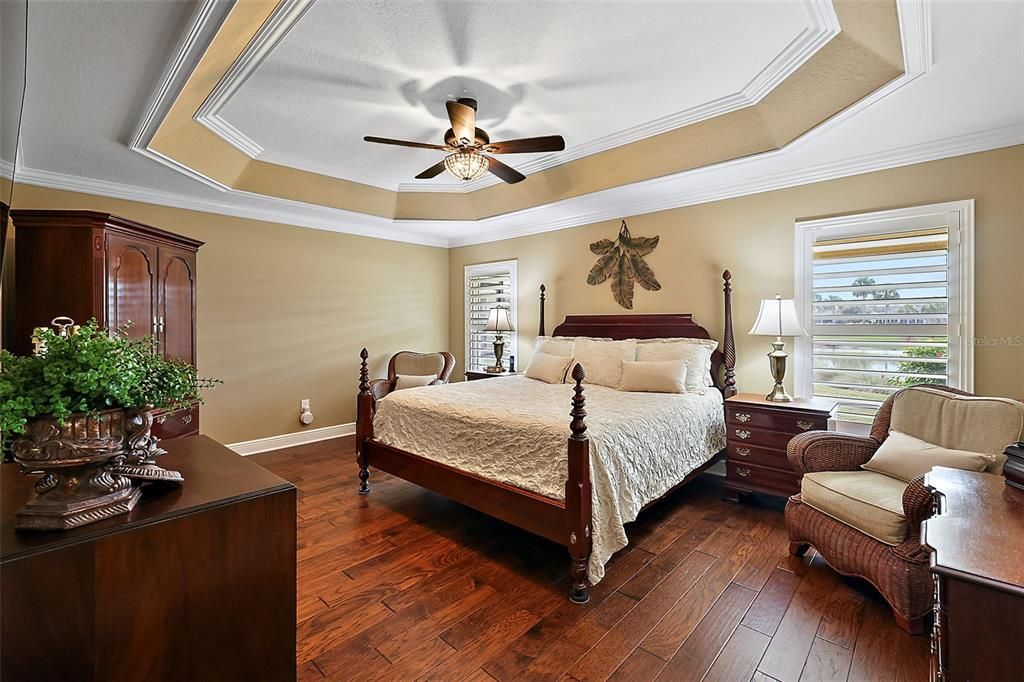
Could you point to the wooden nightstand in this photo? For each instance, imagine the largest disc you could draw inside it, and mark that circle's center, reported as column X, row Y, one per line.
column 474, row 374
column 757, row 432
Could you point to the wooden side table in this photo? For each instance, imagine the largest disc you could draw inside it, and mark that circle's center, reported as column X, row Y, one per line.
column 473, row 374
column 196, row 583
column 757, row 432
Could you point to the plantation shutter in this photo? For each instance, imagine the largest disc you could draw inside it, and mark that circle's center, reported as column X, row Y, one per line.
column 880, row 309
column 488, row 286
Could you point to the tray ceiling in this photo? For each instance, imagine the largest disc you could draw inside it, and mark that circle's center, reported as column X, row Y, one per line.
column 599, row 73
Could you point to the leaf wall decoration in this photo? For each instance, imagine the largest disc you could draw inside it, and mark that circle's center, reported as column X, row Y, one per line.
column 623, row 262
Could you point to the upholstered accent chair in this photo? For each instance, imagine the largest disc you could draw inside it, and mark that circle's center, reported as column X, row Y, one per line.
column 406, row 363
column 868, row 524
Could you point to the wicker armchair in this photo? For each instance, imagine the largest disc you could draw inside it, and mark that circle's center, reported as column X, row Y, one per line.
column 882, row 543
column 408, row 363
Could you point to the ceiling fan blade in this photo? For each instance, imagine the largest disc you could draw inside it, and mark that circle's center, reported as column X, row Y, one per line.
column 506, row 173
column 432, row 172
column 404, row 143
column 463, row 118
column 526, row 145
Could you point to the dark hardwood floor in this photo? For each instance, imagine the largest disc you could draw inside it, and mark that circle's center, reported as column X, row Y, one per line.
column 404, row 584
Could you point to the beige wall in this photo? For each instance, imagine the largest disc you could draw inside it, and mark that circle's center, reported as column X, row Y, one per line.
column 753, row 237
column 283, row 311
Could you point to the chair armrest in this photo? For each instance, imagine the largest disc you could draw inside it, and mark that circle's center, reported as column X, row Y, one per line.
column 829, row 451
column 380, row 388
column 437, row 382
column 918, row 505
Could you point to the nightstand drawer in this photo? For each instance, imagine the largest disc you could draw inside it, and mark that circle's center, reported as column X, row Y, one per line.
column 746, row 435
column 782, row 481
column 752, row 454
column 740, row 415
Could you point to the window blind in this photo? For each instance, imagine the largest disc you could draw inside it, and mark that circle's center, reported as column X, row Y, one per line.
column 880, row 316
column 488, row 286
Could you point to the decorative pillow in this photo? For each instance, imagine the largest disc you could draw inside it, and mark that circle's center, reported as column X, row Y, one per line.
column 548, row 368
column 413, row 380
column 557, row 345
column 905, row 457
column 695, row 352
column 602, row 360
column 667, row 376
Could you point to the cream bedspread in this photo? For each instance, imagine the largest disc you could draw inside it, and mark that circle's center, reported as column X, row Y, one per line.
column 514, row 430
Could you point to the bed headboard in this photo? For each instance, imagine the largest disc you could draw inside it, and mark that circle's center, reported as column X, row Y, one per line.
column 671, row 325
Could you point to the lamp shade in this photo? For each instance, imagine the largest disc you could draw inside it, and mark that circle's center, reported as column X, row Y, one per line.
column 777, row 317
column 499, row 321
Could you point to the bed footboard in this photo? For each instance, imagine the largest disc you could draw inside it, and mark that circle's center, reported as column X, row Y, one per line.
column 577, row 494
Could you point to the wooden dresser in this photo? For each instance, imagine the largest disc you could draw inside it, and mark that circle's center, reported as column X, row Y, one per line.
column 196, row 583
column 84, row 264
column 757, row 432
column 977, row 543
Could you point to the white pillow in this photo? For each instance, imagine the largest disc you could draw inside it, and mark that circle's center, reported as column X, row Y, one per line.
column 413, row 380
column 904, row 457
column 558, row 345
column 666, row 376
column 695, row 352
column 548, row 368
column 602, row 360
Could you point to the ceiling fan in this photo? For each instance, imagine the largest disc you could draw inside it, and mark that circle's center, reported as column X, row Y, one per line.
column 466, row 144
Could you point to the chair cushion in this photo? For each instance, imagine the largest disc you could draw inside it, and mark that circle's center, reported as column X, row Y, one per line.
column 905, row 457
column 419, row 364
column 867, row 501
column 973, row 423
column 668, row 376
column 413, row 380
column 548, row 368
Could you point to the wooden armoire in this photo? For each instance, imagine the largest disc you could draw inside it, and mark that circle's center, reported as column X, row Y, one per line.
column 85, row 264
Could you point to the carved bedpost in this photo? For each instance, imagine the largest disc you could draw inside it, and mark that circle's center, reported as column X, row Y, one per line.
column 542, row 289
column 729, row 343
column 577, row 494
column 364, row 422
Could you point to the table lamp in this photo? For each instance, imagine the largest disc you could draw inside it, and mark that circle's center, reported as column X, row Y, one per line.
column 498, row 321
column 778, row 318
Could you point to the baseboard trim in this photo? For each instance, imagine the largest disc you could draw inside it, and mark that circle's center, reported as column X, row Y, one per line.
column 289, row 440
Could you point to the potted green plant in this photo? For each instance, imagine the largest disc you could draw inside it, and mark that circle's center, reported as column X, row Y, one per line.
column 78, row 412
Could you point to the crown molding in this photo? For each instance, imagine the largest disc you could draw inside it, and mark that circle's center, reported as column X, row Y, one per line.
column 270, row 35
column 674, row 191
column 822, row 26
column 203, row 25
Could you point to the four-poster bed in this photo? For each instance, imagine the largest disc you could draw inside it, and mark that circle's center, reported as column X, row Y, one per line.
column 567, row 521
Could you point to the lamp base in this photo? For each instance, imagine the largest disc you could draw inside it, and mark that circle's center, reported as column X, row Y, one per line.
column 779, row 395
column 777, row 360
column 499, row 350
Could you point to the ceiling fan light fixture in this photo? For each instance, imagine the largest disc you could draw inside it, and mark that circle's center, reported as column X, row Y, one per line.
column 466, row 165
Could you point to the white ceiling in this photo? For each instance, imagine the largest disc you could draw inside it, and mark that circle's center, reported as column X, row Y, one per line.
column 94, row 64
column 584, row 69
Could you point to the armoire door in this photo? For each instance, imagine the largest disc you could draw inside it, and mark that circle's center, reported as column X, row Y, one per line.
column 131, row 284
column 176, row 307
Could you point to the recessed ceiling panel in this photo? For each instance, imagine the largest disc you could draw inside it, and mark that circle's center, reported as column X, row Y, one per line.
column 598, row 73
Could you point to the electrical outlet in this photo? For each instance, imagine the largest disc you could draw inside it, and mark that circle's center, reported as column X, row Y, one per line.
column 304, row 405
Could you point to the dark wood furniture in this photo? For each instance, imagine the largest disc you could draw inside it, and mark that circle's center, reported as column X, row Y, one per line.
column 473, row 374
column 565, row 521
column 757, row 432
column 85, row 264
column 1014, row 468
column 196, row 583
column 977, row 543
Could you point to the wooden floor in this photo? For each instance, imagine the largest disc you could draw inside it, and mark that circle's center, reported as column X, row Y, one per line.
column 403, row 584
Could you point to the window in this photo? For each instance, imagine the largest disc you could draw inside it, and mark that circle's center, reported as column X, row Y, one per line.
column 489, row 285
column 887, row 301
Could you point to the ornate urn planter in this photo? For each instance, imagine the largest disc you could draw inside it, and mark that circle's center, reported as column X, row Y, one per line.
column 92, row 467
